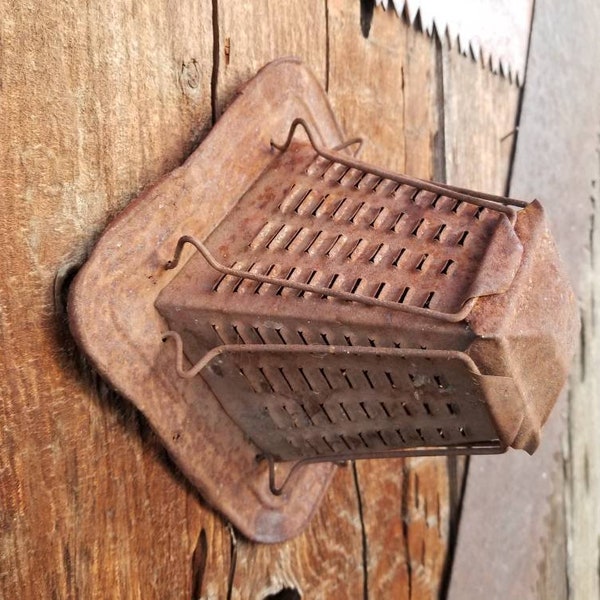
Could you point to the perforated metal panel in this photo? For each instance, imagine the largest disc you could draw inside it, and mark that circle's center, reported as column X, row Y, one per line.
column 331, row 225
column 316, row 404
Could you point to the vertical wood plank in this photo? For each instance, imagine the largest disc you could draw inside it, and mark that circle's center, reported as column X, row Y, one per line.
column 250, row 34
column 366, row 81
column 97, row 101
column 580, row 502
column 480, row 111
column 324, row 562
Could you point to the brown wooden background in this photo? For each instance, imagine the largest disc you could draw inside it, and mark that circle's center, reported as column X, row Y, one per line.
column 99, row 100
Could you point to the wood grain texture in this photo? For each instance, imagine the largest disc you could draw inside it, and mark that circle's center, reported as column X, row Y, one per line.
column 479, row 125
column 250, row 34
column 324, row 562
column 578, row 505
column 96, row 104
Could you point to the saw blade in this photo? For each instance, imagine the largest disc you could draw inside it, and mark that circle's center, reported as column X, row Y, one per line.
column 493, row 31
column 511, row 541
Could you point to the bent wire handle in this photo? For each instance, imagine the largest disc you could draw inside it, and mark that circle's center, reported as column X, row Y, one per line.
column 275, row 489
column 491, row 201
column 309, row 349
column 315, row 289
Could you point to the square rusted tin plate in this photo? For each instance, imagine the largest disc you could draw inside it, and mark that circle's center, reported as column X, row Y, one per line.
column 113, row 317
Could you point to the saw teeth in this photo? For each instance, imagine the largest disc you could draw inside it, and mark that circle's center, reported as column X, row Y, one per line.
column 495, row 33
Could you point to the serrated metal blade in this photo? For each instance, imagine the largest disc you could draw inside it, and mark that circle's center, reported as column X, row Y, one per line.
column 493, row 31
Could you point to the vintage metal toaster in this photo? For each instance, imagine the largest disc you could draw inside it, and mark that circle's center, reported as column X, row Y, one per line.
column 339, row 311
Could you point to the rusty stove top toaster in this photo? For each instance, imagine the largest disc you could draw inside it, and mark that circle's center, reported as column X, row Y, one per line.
column 276, row 306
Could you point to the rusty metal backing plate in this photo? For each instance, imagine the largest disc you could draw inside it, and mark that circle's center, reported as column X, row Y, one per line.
column 114, row 320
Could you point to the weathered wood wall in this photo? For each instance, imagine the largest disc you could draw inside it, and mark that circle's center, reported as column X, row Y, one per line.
column 98, row 101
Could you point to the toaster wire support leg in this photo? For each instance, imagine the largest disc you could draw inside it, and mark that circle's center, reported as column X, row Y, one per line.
column 277, row 490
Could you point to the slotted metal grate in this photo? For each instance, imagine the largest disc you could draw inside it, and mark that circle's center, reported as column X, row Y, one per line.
column 332, row 312
column 345, row 229
column 343, row 404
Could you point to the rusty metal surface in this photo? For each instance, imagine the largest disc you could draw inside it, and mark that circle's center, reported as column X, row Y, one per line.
column 112, row 314
column 351, row 231
column 495, row 32
column 366, row 304
column 335, row 403
column 358, row 313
